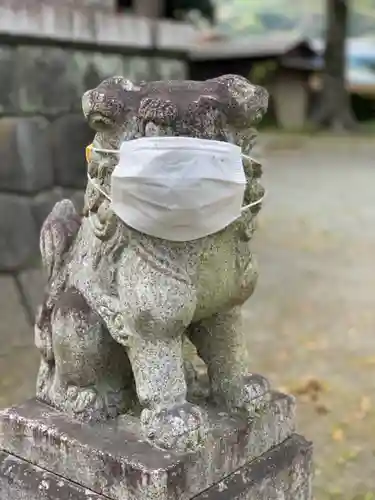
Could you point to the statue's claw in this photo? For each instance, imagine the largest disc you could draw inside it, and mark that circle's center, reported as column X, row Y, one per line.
column 179, row 428
column 249, row 395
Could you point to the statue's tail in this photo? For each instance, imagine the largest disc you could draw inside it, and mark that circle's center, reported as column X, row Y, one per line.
column 56, row 237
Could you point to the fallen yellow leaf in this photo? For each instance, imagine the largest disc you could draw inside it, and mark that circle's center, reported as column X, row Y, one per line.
column 310, row 387
column 338, row 434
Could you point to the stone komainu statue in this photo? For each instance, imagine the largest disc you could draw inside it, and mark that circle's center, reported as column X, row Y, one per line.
column 120, row 303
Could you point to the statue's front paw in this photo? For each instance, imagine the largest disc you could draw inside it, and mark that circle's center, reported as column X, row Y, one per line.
column 249, row 396
column 93, row 405
column 181, row 427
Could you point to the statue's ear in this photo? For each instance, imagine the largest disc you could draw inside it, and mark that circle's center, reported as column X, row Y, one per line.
column 249, row 102
column 122, row 82
column 128, row 84
column 159, row 111
column 256, row 102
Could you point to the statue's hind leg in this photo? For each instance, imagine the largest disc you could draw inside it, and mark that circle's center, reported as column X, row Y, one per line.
column 220, row 342
column 91, row 377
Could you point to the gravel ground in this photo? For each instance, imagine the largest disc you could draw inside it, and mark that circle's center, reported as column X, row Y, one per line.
column 311, row 322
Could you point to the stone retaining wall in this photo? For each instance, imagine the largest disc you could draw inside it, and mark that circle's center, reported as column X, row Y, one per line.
column 44, row 70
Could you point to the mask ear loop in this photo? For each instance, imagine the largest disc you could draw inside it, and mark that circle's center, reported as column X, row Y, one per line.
column 89, row 149
column 96, row 186
column 259, row 200
column 101, row 191
column 253, row 204
column 107, row 151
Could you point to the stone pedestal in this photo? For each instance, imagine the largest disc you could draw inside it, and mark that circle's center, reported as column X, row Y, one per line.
column 46, row 455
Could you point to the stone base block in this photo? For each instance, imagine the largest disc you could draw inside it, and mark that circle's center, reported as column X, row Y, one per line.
column 284, row 473
column 47, row 454
column 20, row 480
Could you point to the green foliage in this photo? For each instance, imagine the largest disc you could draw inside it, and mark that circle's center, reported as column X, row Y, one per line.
column 262, row 72
column 178, row 9
column 238, row 17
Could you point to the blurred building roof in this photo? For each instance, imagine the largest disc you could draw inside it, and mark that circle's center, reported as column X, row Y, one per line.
column 250, row 47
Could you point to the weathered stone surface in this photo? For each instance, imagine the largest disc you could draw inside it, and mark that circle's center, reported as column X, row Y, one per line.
column 97, row 4
column 48, row 81
column 96, row 66
column 19, row 242
column 171, row 69
column 70, row 135
column 95, row 22
column 78, row 4
column 137, row 68
column 176, row 35
column 43, row 203
column 77, row 197
column 90, row 68
column 71, row 71
column 283, row 473
column 8, row 68
column 25, row 155
column 20, row 480
column 26, row 73
column 115, row 459
column 32, row 283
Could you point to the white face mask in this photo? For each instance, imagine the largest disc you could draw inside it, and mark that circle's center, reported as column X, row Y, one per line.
column 177, row 188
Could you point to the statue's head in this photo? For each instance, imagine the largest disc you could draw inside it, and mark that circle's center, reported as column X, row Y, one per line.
column 104, row 106
column 215, row 108
column 222, row 109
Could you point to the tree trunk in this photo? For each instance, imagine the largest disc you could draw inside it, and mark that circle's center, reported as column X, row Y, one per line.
column 334, row 108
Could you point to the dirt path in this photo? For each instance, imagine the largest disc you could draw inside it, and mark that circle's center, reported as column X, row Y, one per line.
column 311, row 323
